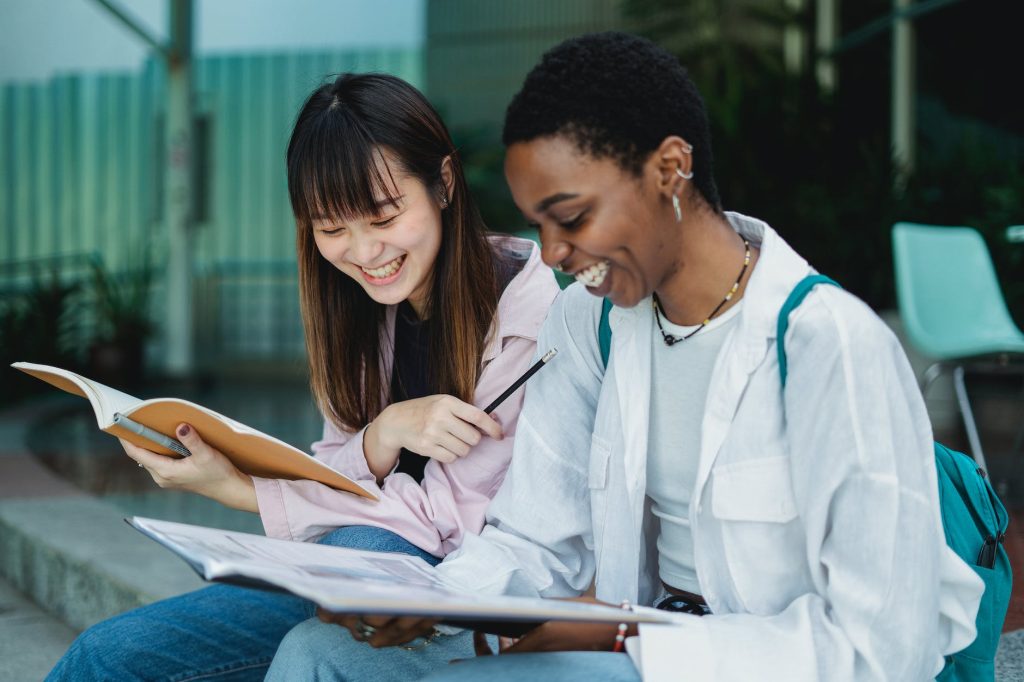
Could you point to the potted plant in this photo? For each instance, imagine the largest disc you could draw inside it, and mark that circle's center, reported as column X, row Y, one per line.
column 123, row 321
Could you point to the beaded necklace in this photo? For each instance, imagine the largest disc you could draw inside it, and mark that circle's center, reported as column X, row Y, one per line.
column 671, row 340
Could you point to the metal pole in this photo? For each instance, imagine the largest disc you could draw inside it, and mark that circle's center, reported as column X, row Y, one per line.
column 826, row 31
column 178, row 191
column 794, row 39
column 903, row 92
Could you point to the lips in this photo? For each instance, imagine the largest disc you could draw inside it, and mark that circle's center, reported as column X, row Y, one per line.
column 385, row 270
column 386, row 274
column 593, row 276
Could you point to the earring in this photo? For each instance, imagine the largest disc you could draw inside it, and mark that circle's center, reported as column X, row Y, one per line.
column 444, row 200
column 684, row 176
column 675, row 207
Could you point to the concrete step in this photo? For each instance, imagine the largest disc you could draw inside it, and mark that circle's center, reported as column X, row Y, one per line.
column 31, row 640
column 72, row 554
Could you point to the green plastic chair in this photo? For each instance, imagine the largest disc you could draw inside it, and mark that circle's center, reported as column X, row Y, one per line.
column 953, row 309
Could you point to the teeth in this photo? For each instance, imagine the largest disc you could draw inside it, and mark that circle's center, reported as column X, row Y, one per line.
column 593, row 276
column 385, row 270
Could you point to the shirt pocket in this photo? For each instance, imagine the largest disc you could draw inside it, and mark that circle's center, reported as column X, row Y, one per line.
column 762, row 538
column 754, row 490
column 600, row 453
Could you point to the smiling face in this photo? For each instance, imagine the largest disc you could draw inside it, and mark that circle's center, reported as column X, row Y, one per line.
column 391, row 254
column 598, row 222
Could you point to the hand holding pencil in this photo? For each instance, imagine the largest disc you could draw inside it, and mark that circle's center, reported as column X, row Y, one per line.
column 441, row 427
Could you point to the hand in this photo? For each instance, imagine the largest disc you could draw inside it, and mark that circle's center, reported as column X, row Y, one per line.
column 388, row 630
column 441, row 427
column 207, row 472
column 560, row 636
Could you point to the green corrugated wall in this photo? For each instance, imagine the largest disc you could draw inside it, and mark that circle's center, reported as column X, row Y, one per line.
column 81, row 169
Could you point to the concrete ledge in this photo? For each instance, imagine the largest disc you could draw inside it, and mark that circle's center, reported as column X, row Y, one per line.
column 32, row 641
column 77, row 559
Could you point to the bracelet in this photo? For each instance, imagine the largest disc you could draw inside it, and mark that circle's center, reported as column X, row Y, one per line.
column 620, row 636
column 426, row 641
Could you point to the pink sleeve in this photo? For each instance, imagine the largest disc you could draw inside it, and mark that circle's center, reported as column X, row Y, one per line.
column 343, row 451
column 434, row 515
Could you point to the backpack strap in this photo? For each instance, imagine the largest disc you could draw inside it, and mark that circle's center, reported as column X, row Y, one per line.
column 604, row 331
column 795, row 298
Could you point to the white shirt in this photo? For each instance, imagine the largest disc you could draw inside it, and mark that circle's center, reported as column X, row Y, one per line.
column 815, row 510
column 681, row 374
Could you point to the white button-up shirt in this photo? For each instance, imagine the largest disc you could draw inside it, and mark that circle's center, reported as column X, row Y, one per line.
column 815, row 516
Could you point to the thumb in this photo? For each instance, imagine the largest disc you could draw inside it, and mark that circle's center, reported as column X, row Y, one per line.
column 189, row 438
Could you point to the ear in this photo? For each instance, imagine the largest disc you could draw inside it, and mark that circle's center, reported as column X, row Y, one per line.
column 673, row 154
column 447, row 176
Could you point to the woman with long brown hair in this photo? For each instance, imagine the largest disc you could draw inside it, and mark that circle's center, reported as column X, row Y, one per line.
column 415, row 318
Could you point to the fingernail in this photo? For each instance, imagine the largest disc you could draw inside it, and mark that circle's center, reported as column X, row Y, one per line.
column 184, row 430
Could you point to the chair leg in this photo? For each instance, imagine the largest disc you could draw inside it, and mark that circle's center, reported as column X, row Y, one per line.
column 930, row 375
column 968, row 415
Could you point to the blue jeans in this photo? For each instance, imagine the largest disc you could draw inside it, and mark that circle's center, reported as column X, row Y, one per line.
column 318, row 651
column 222, row 633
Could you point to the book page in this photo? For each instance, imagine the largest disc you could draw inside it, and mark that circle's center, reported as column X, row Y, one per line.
column 354, row 581
column 105, row 400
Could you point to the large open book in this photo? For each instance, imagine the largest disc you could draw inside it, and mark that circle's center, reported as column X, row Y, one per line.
column 353, row 581
column 252, row 451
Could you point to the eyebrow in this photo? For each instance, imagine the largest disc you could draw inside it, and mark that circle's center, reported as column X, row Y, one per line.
column 550, row 201
column 393, row 201
column 377, row 206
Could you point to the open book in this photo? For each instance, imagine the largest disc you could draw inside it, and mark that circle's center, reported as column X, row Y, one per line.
column 343, row 580
column 253, row 452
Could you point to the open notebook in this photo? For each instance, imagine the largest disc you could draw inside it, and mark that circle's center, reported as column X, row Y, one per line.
column 252, row 451
column 343, row 580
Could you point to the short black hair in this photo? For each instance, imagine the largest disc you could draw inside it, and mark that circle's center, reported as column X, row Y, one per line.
column 616, row 96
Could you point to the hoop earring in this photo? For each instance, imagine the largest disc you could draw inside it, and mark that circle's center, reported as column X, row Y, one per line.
column 684, row 176
column 676, row 208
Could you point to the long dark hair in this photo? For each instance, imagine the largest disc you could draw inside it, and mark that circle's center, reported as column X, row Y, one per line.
column 333, row 173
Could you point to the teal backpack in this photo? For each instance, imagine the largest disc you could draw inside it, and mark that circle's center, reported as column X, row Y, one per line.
column 973, row 518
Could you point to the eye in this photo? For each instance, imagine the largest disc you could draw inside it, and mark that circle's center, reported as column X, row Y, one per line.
column 572, row 223
column 331, row 231
column 386, row 221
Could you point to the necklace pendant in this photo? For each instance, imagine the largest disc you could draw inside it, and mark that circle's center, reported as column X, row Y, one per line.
column 670, row 340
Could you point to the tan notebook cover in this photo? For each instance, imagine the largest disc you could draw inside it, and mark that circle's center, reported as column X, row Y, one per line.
column 253, row 452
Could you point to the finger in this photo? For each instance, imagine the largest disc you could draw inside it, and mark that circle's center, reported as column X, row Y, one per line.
column 439, row 453
column 453, row 445
column 344, row 620
column 146, row 458
column 380, row 622
column 464, row 431
column 189, row 437
column 533, row 641
column 401, row 631
column 480, row 645
column 478, row 418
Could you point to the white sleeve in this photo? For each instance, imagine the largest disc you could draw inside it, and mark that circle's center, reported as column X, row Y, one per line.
column 538, row 539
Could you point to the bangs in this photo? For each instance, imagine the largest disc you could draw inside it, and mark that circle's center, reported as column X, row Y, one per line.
column 337, row 171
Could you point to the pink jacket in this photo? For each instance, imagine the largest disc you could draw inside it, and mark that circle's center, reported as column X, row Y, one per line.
column 436, row 514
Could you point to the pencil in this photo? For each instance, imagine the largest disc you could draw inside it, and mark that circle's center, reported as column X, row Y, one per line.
column 150, row 434
column 521, row 380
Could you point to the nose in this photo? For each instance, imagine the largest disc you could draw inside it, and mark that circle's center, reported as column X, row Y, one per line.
column 364, row 248
column 553, row 249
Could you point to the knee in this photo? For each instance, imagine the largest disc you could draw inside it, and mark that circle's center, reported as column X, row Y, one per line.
column 304, row 653
column 98, row 653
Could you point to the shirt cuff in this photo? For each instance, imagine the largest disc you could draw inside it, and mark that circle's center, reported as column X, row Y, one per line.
column 273, row 513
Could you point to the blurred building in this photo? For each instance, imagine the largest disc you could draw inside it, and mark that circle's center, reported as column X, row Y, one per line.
column 82, row 163
column 479, row 51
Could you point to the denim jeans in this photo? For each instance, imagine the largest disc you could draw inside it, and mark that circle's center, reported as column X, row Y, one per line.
column 223, row 633
column 319, row 652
